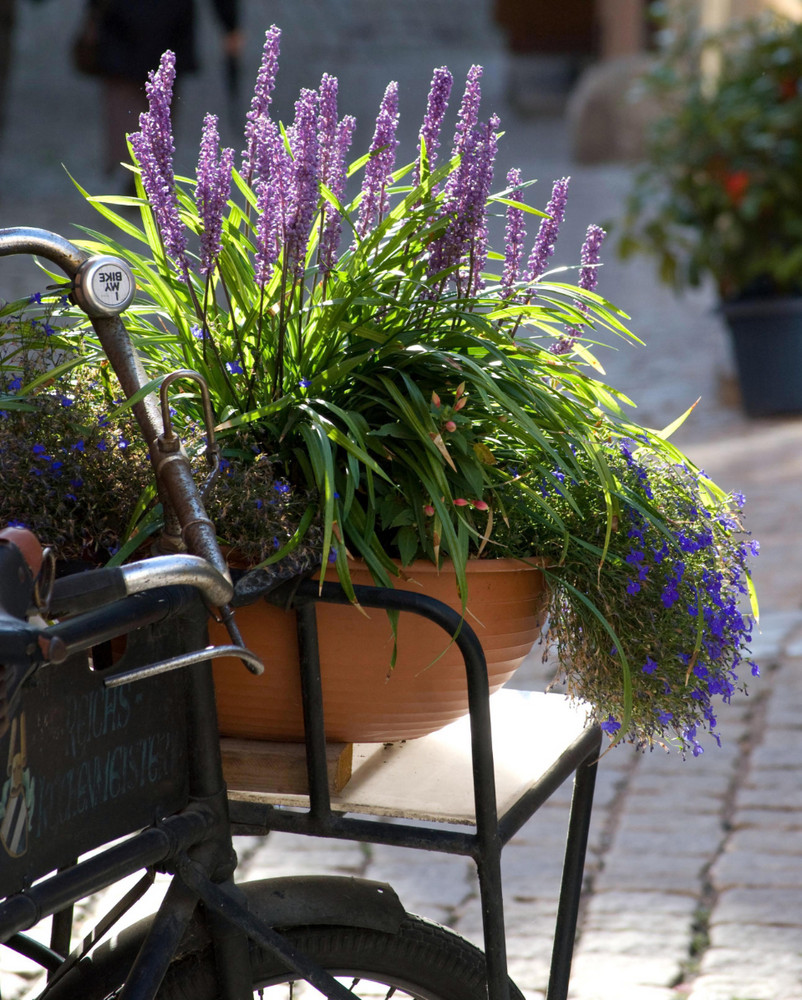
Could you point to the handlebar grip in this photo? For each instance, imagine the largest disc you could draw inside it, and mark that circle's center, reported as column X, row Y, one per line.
column 86, row 591
column 20, row 562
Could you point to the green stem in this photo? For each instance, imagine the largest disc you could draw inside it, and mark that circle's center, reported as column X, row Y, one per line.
column 278, row 373
column 258, row 349
column 234, row 328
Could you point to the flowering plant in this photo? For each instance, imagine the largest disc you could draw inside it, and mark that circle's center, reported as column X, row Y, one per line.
column 720, row 193
column 74, row 464
column 69, row 467
column 671, row 603
column 413, row 402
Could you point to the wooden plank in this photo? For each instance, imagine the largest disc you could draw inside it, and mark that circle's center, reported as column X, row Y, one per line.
column 280, row 768
column 432, row 779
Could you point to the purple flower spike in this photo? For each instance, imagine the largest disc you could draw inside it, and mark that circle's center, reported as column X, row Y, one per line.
column 468, row 116
column 464, row 241
column 260, row 102
column 515, row 234
column 332, row 169
column 153, row 148
column 159, row 91
column 549, row 230
column 589, row 272
column 588, row 279
column 476, row 204
column 379, row 168
column 327, row 123
column 439, row 93
column 335, row 179
column 272, row 193
column 212, row 192
column 304, row 195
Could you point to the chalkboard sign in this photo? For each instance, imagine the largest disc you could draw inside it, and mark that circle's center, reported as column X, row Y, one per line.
column 85, row 764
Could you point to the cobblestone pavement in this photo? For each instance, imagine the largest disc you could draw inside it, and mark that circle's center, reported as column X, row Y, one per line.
column 694, row 877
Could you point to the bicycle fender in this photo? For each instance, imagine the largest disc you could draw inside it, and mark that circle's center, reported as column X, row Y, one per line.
column 292, row 901
column 325, row 899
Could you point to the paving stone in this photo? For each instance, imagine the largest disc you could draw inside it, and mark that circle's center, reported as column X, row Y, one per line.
column 636, row 905
column 649, row 925
column 430, row 884
column 667, row 939
column 529, row 927
column 690, row 799
column 742, row 869
column 652, row 872
column 773, row 821
column 736, row 986
column 754, row 962
column 600, row 977
column 769, row 779
column 762, row 838
column 775, row 627
column 282, row 854
column 776, row 795
column 659, row 824
column 537, row 879
column 759, row 906
column 784, row 713
column 748, row 937
column 530, row 974
column 635, row 840
column 776, row 753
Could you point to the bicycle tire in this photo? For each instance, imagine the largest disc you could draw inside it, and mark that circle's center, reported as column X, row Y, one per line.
column 422, row 959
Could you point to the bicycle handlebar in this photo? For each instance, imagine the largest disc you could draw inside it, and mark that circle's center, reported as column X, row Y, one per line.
column 24, row 645
column 94, row 588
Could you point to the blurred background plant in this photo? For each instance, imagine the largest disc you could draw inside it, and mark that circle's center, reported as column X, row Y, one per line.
column 720, row 193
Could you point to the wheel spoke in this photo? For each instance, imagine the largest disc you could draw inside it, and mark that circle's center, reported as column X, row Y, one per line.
column 364, row 989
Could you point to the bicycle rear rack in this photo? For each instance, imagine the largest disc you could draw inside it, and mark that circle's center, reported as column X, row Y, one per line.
column 492, row 832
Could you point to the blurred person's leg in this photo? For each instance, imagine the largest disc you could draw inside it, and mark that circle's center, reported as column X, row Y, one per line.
column 123, row 102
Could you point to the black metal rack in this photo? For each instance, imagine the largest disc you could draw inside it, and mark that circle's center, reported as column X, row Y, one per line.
column 491, row 829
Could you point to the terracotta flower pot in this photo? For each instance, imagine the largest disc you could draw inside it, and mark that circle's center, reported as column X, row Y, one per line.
column 365, row 702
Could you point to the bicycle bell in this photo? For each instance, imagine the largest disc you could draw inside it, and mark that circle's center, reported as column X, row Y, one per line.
column 103, row 286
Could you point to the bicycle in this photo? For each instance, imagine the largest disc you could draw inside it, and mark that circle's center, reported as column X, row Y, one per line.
column 129, row 782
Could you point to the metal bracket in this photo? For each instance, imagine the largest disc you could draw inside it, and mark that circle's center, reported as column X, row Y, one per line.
column 169, row 443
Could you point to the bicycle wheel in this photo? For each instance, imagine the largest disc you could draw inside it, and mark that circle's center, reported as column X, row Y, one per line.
column 422, row 961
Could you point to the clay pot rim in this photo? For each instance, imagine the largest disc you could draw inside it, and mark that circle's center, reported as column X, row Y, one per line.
column 496, row 564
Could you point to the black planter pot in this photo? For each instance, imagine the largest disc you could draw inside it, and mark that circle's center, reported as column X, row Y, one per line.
column 767, row 347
